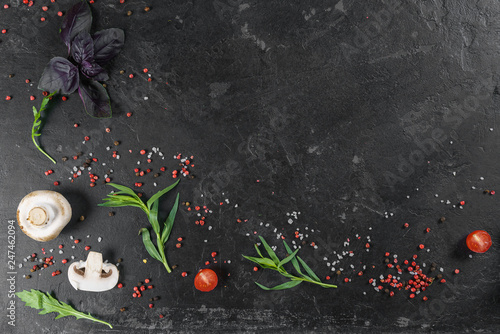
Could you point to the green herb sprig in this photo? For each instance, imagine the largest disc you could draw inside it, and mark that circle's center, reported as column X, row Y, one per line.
column 274, row 263
column 46, row 303
column 127, row 197
column 36, row 130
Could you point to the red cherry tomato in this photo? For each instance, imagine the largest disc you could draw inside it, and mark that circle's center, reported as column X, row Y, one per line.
column 479, row 241
column 206, row 280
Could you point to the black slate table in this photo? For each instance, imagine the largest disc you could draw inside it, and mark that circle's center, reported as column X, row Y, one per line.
column 342, row 120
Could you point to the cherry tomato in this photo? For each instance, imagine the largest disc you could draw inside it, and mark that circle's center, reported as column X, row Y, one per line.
column 479, row 241
column 206, row 280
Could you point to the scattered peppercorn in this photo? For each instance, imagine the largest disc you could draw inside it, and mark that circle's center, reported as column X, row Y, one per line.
column 129, row 13
column 123, row 309
column 147, row 9
column 82, row 218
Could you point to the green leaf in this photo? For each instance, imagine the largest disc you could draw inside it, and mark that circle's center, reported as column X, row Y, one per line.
column 258, row 250
column 261, row 261
column 169, row 223
column 269, row 250
column 160, row 193
column 309, row 270
column 126, row 190
column 288, row 258
column 283, row 286
column 153, row 217
column 295, row 263
column 146, row 239
column 47, row 304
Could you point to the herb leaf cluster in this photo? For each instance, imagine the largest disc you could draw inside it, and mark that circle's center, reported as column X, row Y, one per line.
column 87, row 56
column 46, row 303
column 274, row 263
column 127, row 197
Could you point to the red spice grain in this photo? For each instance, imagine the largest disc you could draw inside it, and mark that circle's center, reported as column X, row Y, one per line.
column 60, row 13
column 456, row 271
column 145, row 70
column 120, row 285
column 64, row 261
column 178, row 245
column 42, row 19
column 421, row 246
column 255, row 269
column 151, row 305
column 56, row 183
column 8, row 98
column 129, row 114
column 87, row 248
column 32, row 98
column 184, row 274
column 147, row 280
column 131, row 76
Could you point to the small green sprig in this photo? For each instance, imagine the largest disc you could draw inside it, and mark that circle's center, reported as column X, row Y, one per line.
column 36, row 130
column 274, row 263
column 46, row 303
column 127, row 197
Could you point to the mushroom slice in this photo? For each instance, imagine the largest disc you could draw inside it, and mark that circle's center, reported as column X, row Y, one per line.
column 42, row 214
column 93, row 274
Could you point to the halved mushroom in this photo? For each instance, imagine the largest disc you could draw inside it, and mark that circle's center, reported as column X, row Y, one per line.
column 93, row 274
column 42, row 214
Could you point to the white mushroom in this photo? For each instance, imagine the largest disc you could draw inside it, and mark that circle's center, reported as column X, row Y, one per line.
column 93, row 274
column 42, row 214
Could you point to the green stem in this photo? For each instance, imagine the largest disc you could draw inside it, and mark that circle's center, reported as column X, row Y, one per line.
column 161, row 250
column 41, row 150
column 314, row 282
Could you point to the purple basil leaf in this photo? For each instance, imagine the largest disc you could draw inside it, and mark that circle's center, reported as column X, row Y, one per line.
column 95, row 99
column 93, row 71
column 78, row 19
column 107, row 44
column 82, row 47
column 61, row 75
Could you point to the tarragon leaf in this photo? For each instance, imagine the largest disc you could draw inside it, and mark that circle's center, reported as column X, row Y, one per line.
column 288, row 258
column 308, row 270
column 169, row 223
column 47, row 304
column 160, row 193
column 146, row 239
column 283, row 286
column 270, row 251
column 295, row 263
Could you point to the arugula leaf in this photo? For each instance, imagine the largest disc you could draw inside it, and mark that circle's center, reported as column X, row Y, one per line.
column 275, row 264
column 36, row 129
column 47, row 304
column 127, row 197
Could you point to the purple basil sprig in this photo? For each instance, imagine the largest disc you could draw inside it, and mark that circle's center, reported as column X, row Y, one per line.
column 87, row 54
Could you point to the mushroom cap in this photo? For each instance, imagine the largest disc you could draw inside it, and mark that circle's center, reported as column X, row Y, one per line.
column 93, row 274
column 42, row 214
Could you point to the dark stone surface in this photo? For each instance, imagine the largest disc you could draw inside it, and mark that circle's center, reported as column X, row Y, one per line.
column 360, row 116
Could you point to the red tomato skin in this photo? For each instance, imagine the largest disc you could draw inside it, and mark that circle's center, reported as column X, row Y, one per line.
column 206, row 280
column 478, row 241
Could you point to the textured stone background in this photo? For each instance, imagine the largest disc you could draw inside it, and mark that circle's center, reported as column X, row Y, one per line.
column 360, row 115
